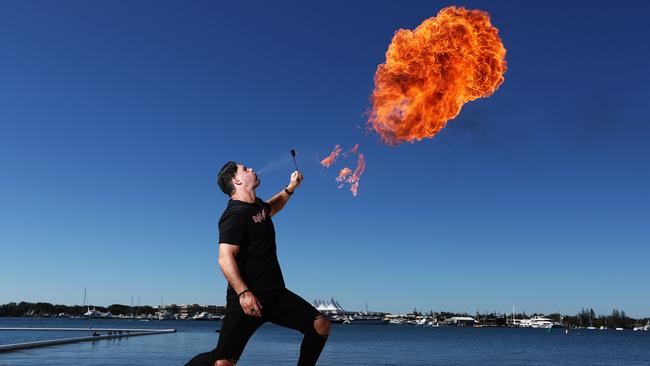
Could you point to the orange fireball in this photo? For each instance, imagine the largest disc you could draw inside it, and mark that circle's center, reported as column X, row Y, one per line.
column 430, row 72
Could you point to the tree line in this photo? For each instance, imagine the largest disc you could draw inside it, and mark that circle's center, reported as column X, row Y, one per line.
column 585, row 318
column 47, row 309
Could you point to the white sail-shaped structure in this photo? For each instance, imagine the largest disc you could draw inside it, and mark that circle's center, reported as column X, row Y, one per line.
column 331, row 306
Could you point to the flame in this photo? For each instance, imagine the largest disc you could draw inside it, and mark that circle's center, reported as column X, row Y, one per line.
column 346, row 175
column 430, row 72
column 332, row 157
column 354, row 179
column 343, row 173
column 354, row 188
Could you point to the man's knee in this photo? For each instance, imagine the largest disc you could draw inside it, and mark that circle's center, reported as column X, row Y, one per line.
column 225, row 362
column 322, row 326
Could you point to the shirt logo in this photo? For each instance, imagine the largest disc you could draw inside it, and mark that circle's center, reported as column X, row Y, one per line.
column 259, row 217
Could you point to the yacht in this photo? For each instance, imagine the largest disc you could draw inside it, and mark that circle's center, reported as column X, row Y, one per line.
column 94, row 314
column 337, row 318
column 539, row 322
column 427, row 321
column 204, row 315
column 367, row 320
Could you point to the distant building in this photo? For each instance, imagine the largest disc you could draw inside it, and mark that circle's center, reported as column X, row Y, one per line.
column 491, row 320
column 460, row 321
column 188, row 311
column 330, row 307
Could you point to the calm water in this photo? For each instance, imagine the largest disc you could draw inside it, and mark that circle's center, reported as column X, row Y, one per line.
column 348, row 345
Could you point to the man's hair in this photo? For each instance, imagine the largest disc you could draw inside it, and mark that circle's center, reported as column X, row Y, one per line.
column 224, row 179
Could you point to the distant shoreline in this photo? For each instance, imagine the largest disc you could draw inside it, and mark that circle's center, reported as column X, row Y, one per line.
column 586, row 318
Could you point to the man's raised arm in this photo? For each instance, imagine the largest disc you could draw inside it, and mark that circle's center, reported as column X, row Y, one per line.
column 278, row 201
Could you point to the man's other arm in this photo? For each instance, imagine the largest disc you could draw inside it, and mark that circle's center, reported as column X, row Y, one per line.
column 230, row 269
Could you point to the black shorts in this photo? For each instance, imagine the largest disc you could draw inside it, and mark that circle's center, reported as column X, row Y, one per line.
column 281, row 307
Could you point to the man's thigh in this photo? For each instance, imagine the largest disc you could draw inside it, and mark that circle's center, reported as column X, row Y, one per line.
column 236, row 330
column 292, row 311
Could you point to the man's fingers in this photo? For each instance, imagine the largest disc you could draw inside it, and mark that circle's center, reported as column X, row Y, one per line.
column 252, row 307
column 297, row 176
column 258, row 307
column 252, row 312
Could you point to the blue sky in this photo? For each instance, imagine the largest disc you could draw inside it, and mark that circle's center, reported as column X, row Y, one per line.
column 115, row 117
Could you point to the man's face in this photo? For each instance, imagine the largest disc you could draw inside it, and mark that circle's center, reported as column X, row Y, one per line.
column 247, row 176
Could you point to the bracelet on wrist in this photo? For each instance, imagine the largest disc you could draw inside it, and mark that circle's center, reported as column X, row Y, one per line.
column 243, row 292
column 286, row 189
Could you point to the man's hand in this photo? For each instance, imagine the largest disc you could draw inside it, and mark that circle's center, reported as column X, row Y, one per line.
column 250, row 304
column 296, row 179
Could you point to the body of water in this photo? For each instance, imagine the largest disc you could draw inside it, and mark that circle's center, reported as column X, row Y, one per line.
column 347, row 345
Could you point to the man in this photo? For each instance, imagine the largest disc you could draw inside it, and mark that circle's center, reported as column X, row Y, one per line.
column 256, row 292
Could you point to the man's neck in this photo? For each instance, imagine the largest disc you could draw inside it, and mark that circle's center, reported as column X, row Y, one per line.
column 244, row 196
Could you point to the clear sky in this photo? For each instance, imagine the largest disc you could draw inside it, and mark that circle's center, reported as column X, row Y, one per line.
column 116, row 116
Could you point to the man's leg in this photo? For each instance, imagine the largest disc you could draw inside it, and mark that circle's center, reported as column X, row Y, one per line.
column 292, row 311
column 236, row 330
column 205, row 359
column 313, row 343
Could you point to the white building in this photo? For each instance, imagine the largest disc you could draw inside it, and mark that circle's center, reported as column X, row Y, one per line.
column 460, row 321
column 331, row 306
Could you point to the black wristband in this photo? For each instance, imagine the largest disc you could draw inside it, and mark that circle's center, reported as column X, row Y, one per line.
column 288, row 191
column 243, row 292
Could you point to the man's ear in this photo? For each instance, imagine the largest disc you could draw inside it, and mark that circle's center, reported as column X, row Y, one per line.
column 236, row 181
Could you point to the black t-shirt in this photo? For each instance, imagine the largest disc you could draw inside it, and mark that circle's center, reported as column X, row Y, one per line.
column 249, row 225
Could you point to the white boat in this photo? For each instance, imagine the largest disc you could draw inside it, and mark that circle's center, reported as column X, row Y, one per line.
column 366, row 320
column 163, row 314
column 539, row 322
column 427, row 321
column 207, row 316
column 336, row 318
column 643, row 328
column 202, row 316
column 94, row 314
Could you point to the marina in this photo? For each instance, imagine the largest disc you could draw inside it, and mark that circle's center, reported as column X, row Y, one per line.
column 374, row 345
